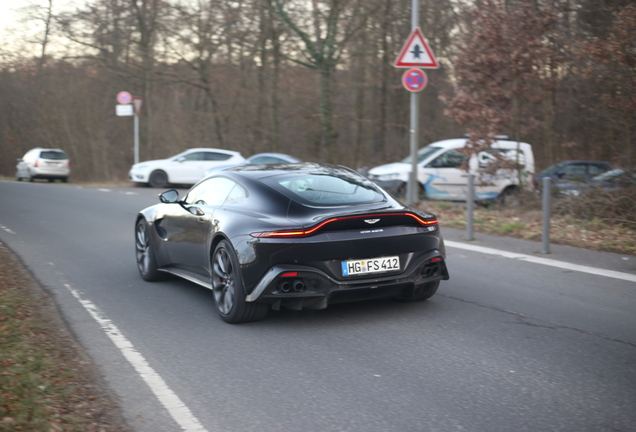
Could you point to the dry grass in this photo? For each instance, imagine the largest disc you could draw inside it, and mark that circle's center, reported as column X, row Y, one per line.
column 595, row 223
column 46, row 382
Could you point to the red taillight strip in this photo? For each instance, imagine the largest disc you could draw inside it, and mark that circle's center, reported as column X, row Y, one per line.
column 310, row 231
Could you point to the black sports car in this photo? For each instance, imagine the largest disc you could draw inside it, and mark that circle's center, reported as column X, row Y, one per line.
column 292, row 235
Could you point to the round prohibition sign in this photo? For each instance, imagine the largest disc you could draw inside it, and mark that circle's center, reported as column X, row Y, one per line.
column 414, row 80
column 124, row 97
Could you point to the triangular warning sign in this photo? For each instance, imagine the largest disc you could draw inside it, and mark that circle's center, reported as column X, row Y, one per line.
column 416, row 53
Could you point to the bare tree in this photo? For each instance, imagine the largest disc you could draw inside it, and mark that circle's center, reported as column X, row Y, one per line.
column 610, row 67
column 500, row 70
column 324, row 31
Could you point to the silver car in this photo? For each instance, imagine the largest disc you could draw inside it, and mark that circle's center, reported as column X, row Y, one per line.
column 43, row 163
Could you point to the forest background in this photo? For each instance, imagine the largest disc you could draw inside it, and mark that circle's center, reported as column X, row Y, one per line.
column 314, row 79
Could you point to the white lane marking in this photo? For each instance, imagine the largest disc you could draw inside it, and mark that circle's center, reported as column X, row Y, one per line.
column 544, row 261
column 7, row 229
column 103, row 190
column 177, row 409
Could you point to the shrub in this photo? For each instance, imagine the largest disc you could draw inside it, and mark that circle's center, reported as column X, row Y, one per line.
column 611, row 207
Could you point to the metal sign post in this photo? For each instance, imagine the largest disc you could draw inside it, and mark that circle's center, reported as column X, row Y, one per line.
column 412, row 188
column 414, row 53
column 126, row 109
column 137, row 101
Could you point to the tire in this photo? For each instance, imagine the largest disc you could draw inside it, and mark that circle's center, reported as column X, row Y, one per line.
column 228, row 290
column 158, row 179
column 64, row 179
column 145, row 254
column 509, row 197
column 17, row 176
column 421, row 293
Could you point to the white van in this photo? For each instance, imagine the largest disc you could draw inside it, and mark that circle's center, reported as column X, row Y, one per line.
column 441, row 178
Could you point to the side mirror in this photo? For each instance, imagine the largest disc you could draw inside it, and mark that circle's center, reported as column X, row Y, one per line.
column 169, row 197
column 19, row 159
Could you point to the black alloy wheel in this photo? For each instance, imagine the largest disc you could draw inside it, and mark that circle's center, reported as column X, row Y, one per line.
column 227, row 286
column 145, row 254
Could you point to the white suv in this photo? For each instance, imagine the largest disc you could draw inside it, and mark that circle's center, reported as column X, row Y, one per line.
column 441, row 178
column 185, row 168
column 43, row 163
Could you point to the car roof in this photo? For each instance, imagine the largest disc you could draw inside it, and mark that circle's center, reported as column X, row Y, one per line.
column 262, row 171
column 210, row 149
column 461, row 142
column 48, row 149
column 567, row 162
column 280, row 155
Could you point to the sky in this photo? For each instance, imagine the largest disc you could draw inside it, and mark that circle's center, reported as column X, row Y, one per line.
column 18, row 36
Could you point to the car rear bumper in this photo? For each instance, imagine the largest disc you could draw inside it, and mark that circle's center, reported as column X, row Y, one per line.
column 50, row 172
column 297, row 287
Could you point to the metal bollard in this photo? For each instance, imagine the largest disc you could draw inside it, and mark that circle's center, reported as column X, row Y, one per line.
column 470, row 206
column 546, row 214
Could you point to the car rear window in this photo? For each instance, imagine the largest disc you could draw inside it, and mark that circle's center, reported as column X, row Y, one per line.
column 327, row 190
column 53, row 154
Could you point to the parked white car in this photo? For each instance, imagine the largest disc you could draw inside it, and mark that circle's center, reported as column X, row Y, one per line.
column 258, row 159
column 185, row 168
column 440, row 177
column 43, row 163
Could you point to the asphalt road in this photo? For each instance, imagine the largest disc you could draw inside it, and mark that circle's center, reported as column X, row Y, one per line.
column 506, row 345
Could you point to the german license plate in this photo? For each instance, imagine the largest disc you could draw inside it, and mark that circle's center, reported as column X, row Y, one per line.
column 373, row 265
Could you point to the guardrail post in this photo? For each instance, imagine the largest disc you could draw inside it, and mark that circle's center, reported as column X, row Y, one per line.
column 470, row 205
column 546, row 192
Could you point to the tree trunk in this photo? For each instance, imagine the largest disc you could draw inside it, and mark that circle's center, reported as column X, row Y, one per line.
column 328, row 137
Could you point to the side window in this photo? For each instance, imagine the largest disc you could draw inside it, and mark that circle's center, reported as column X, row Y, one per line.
column 574, row 170
column 596, row 170
column 449, row 159
column 237, row 196
column 196, row 156
column 214, row 156
column 211, row 192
